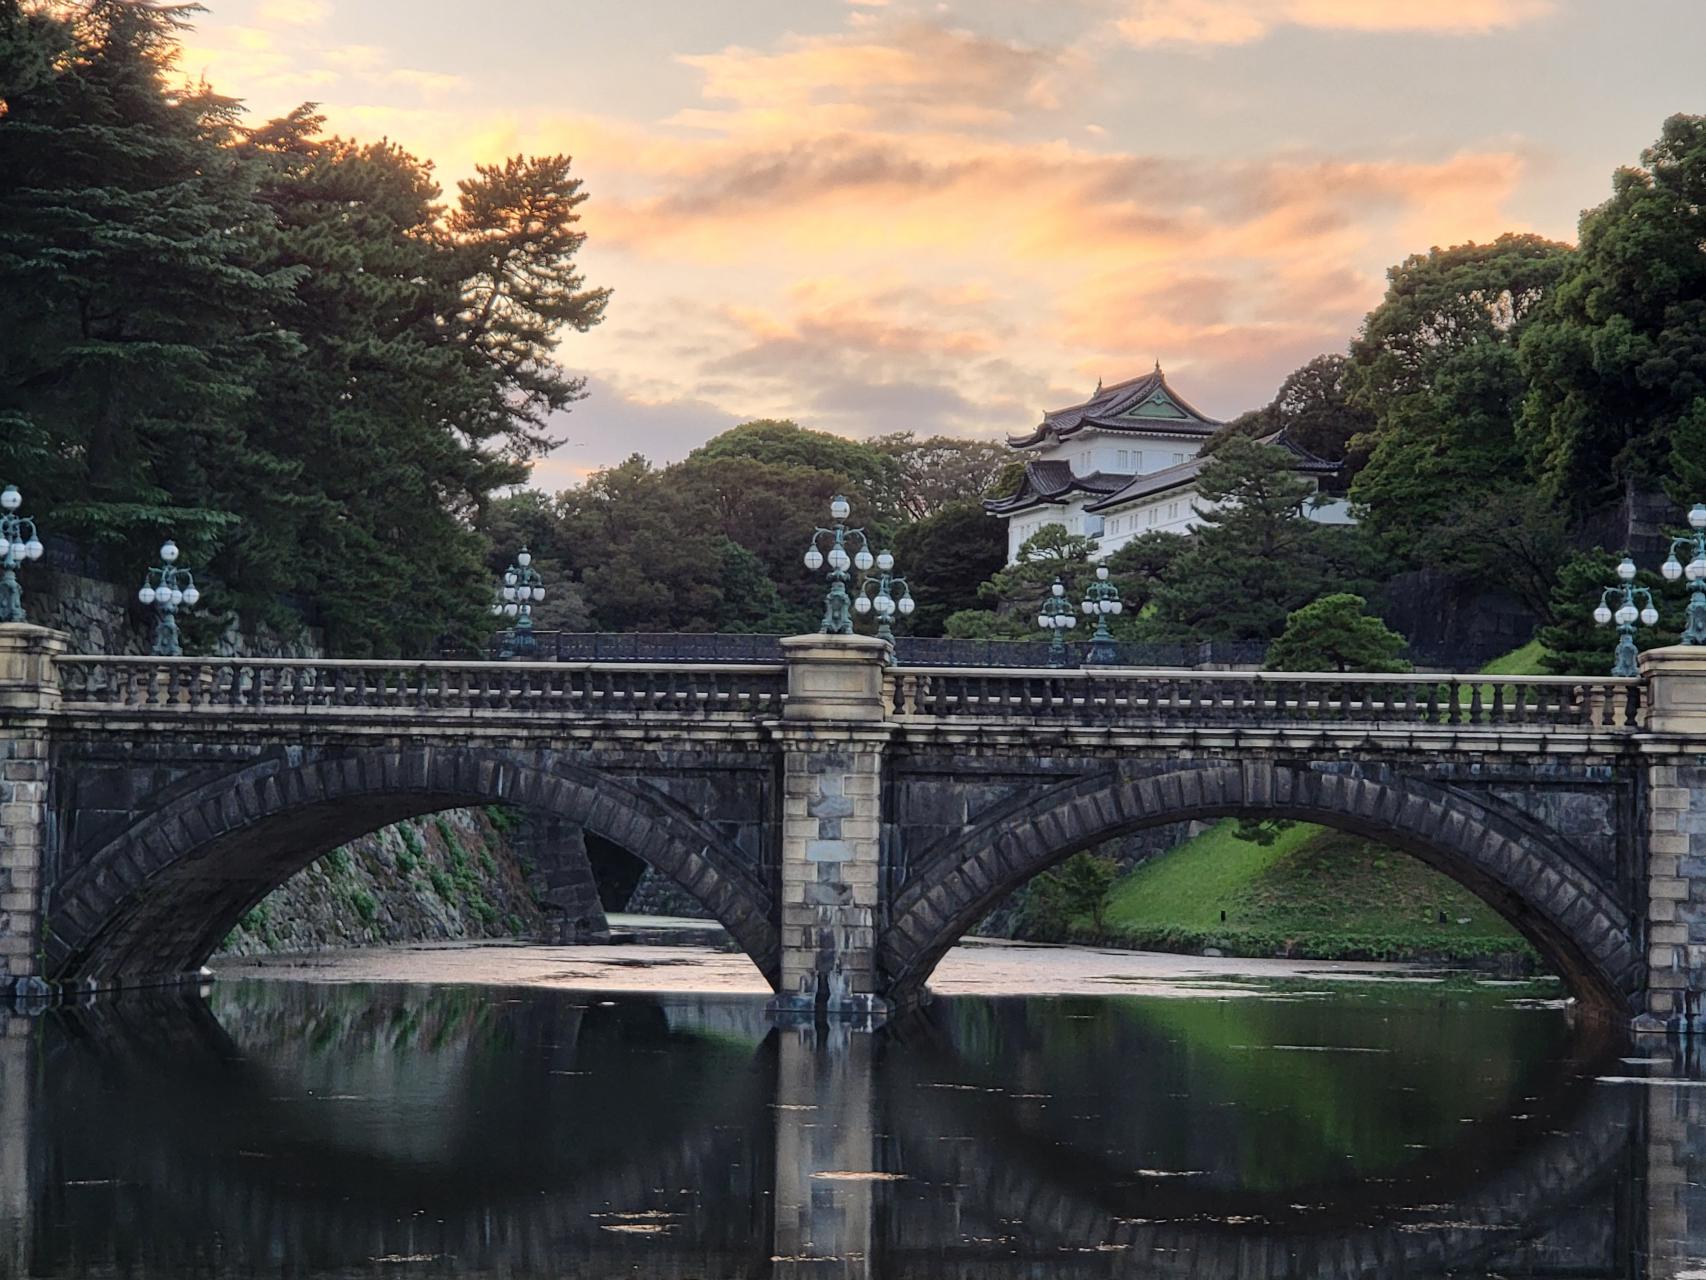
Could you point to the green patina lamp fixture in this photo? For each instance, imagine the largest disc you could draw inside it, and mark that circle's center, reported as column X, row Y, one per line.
column 166, row 586
column 1626, row 615
column 1695, row 570
column 1057, row 618
column 837, row 603
column 18, row 543
column 1102, row 600
column 522, row 588
column 892, row 596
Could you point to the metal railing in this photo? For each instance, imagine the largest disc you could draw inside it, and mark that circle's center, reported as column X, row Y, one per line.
column 917, row 651
column 1211, row 699
column 329, row 687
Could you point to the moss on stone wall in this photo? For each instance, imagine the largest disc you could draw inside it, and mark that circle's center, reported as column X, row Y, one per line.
column 445, row 875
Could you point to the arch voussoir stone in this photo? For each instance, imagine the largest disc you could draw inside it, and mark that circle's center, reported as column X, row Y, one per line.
column 154, row 900
column 1497, row 853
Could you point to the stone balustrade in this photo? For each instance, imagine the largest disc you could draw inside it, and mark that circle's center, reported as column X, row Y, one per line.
column 1101, row 696
column 285, row 686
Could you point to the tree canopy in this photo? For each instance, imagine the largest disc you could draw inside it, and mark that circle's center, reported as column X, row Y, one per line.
column 277, row 346
column 1436, row 367
column 1615, row 362
column 1254, row 556
column 1335, row 634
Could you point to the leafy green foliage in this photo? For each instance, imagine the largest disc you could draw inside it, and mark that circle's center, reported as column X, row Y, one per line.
column 1616, row 362
column 867, row 477
column 1315, row 410
column 1255, row 557
column 275, row 345
column 1012, row 596
column 1574, row 644
column 1436, row 366
column 1334, row 634
column 944, row 557
column 939, row 472
column 1078, row 887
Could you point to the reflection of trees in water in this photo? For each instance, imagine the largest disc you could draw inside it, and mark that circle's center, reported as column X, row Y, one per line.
column 1504, row 1198
column 330, row 1125
column 1198, row 1083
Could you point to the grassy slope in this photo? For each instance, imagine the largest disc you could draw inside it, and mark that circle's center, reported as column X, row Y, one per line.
column 1518, row 662
column 1313, row 892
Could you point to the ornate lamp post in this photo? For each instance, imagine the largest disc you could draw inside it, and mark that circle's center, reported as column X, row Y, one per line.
column 837, row 612
column 1102, row 598
column 166, row 587
column 1624, row 595
column 885, row 602
column 18, row 543
column 522, row 589
column 1056, row 616
column 1695, row 540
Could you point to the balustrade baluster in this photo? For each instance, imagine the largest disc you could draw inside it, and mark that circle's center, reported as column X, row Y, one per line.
column 1497, row 714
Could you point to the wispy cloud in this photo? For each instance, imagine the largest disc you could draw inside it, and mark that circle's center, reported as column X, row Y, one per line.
column 903, row 223
column 1232, row 22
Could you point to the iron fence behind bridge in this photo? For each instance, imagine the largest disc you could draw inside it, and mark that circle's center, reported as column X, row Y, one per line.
column 910, row 651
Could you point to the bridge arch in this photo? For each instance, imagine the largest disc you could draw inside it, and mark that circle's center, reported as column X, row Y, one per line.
column 156, row 900
column 1507, row 859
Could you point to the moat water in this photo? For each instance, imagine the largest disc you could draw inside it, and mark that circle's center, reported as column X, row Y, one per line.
column 1158, row 1117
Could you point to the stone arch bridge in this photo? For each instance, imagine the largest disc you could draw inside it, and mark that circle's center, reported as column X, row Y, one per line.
column 845, row 820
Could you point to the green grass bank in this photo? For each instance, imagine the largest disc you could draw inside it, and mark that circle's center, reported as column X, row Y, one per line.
column 1313, row 892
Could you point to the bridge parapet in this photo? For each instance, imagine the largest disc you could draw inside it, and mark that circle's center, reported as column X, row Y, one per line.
column 1130, row 696
column 318, row 687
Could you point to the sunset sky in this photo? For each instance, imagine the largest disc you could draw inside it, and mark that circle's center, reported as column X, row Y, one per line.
column 879, row 216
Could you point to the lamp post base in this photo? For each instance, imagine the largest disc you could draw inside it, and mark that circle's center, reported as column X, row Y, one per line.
column 1103, row 652
column 11, row 598
column 1626, row 663
column 1695, row 631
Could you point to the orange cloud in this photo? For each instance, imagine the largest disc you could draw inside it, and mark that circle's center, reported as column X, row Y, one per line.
column 872, row 229
column 1231, row 22
column 900, row 76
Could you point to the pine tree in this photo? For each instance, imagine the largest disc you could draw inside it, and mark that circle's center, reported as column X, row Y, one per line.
column 1254, row 556
column 1334, row 634
column 136, row 320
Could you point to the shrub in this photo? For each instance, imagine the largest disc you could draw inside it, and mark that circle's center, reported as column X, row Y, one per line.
column 412, row 843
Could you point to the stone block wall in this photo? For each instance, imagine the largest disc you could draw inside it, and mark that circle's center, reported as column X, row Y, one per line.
column 832, row 795
column 102, row 617
column 23, row 799
column 551, row 852
column 1676, row 895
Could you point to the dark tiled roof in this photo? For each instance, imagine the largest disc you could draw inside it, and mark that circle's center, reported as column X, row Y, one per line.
column 1141, row 406
column 1159, row 482
column 1051, row 482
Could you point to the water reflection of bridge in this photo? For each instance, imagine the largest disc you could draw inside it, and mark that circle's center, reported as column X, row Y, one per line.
column 732, row 1157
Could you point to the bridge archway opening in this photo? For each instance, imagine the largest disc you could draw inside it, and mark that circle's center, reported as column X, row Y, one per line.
column 1517, row 869
column 1270, row 888
column 154, row 902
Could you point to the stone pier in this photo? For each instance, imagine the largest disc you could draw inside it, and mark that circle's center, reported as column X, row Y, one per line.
column 832, row 736
column 29, row 695
column 1676, row 840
